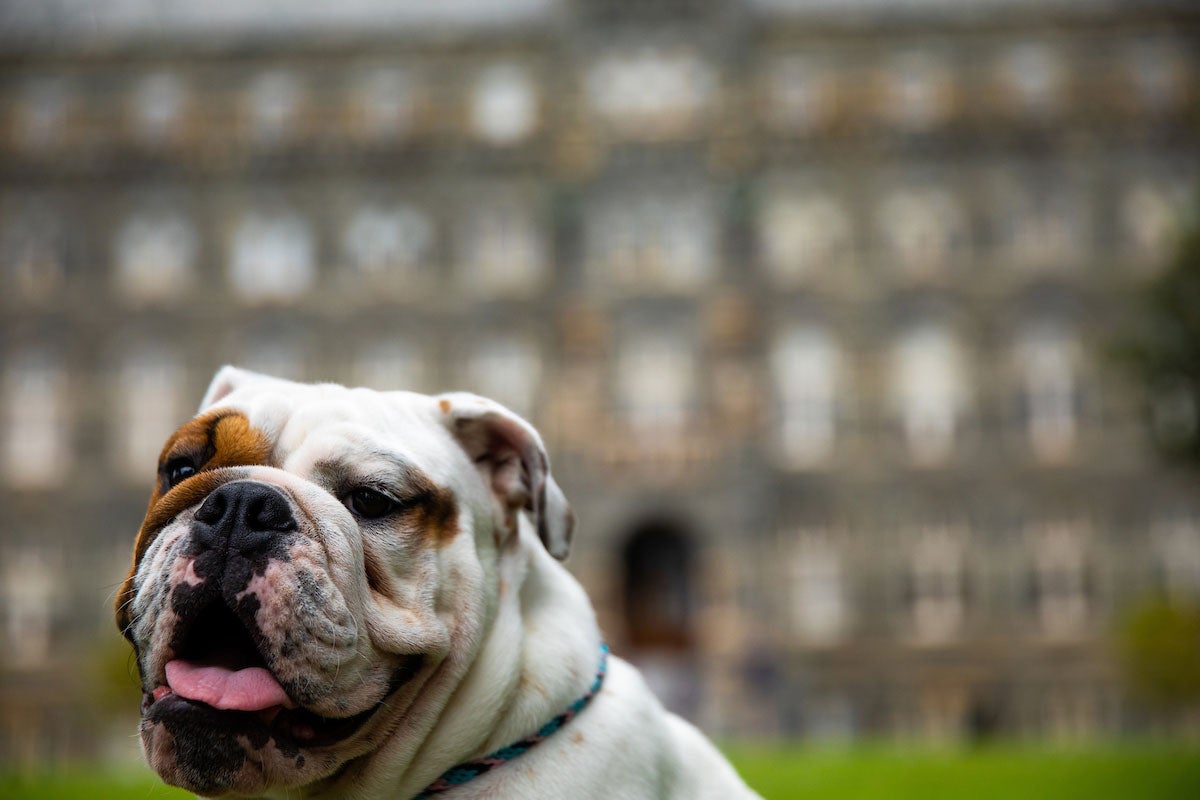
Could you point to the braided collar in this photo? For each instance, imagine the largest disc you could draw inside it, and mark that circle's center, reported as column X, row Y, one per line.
column 468, row 770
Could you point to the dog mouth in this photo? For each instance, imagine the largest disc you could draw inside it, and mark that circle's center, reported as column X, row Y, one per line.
column 219, row 683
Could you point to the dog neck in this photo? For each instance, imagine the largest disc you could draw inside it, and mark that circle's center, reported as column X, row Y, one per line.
column 537, row 657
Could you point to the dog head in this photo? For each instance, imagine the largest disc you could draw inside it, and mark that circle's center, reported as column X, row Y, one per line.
column 312, row 559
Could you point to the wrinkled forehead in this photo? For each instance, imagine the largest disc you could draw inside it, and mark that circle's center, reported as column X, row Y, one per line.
column 321, row 426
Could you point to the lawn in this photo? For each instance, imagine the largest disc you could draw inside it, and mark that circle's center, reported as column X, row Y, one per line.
column 999, row 773
column 795, row 773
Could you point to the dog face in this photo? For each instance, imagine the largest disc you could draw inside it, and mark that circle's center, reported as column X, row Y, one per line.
column 315, row 566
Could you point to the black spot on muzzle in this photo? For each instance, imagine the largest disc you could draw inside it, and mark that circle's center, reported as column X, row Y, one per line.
column 236, row 532
column 208, row 755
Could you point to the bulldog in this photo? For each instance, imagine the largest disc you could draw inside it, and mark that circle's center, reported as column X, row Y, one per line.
column 343, row 593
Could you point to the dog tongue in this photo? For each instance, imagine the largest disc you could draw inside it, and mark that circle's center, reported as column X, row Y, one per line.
column 250, row 689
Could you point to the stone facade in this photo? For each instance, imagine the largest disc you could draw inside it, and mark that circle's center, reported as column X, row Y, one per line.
column 813, row 310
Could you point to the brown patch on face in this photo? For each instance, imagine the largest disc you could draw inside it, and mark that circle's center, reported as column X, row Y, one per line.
column 444, row 405
column 436, row 514
column 235, row 443
column 213, row 441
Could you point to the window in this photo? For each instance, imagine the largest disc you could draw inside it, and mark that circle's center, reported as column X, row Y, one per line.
column 1178, row 543
column 149, row 404
column 508, row 369
column 1034, row 78
column 802, row 234
column 656, row 381
column 384, row 103
column 805, row 365
column 1039, row 222
column 1046, row 360
column 36, row 422
column 1157, row 70
column 504, row 104
column 33, row 248
column 819, row 609
column 275, row 354
column 650, row 93
column 153, row 254
column 658, row 239
column 389, row 242
column 272, row 259
column 158, row 104
column 923, row 228
column 942, row 713
column 937, row 584
column 1060, row 578
column 800, row 94
column 30, row 594
column 393, row 365
column 1070, row 712
column 501, row 248
column 42, row 113
column 272, row 105
column 929, row 389
column 829, row 716
column 1149, row 217
column 918, row 93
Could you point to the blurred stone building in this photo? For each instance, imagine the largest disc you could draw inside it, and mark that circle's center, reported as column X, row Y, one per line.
column 812, row 301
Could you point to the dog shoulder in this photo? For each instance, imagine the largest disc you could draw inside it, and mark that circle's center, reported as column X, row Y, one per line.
column 652, row 753
column 702, row 772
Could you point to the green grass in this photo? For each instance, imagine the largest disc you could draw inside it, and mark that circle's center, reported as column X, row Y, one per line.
column 788, row 772
column 1011, row 773
column 81, row 784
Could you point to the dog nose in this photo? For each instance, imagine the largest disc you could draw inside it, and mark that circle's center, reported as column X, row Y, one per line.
column 246, row 514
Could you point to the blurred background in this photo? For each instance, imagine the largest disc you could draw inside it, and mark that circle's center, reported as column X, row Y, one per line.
column 819, row 305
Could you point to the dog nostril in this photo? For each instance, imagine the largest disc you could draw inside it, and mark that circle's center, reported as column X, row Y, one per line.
column 213, row 508
column 269, row 512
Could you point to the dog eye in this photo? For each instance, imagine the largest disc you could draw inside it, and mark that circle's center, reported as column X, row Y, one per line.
column 370, row 504
column 178, row 470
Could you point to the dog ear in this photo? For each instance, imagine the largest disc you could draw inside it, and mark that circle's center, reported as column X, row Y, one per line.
column 227, row 379
column 512, row 459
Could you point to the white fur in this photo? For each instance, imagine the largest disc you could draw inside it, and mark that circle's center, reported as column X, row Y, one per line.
column 523, row 638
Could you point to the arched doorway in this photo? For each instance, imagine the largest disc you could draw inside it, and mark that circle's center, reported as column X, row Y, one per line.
column 658, row 587
column 659, row 598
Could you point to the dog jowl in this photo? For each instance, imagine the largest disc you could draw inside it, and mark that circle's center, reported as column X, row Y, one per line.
column 247, row 602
